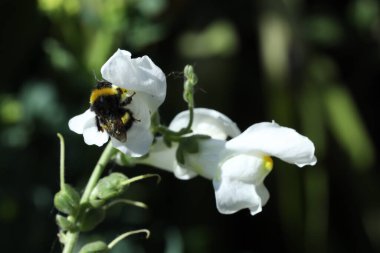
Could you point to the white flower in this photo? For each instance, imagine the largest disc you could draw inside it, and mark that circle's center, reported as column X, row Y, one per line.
column 239, row 166
column 248, row 162
column 147, row 83
column 207, row 122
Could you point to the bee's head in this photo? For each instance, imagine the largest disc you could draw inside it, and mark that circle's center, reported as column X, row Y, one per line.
column 103, row 84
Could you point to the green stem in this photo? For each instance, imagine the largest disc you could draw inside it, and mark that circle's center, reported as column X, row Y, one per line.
column 98, row 170
column 62, row 161
column 70, row 241
column 188, row 95
column 72, row 237
column 191, row 118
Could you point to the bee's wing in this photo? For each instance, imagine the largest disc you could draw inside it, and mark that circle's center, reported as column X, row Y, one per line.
column 116, row 129
column 120, row 132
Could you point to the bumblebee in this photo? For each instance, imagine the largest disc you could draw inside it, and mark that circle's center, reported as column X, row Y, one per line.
column 109, row 102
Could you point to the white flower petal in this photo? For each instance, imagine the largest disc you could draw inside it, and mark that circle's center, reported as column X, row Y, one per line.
column 208, row 122
column 234, row 195
column 91, row 134
column 183, row 173
column 245, row 168
column 271, row 139
column 263, row 192
column 139, row 74
column 77, row 123
column 85, row 124
column 140, row 111
column 138, row 141
column 240, row 184
column 163, row 157
column 206, row 161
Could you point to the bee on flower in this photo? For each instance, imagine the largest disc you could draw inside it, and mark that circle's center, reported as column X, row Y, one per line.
column 121, row 106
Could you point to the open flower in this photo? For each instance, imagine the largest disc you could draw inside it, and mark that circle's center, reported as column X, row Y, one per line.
column 248, row 161
column 144, row 85
column 206, row 121
column 239, row 166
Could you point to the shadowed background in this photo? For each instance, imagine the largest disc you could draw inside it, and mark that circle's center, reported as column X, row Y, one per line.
column 309, row 65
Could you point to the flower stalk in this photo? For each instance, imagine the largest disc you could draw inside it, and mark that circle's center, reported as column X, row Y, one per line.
column 70, row 238
column 97, row 172
column 62, row 161
column 190, row 81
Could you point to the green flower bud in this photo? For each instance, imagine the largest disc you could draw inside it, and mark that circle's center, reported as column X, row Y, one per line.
column 190, row 81
column 91, row 218
column 67, row 200
column 95, row 247
column 107, row 188
column 65, row 223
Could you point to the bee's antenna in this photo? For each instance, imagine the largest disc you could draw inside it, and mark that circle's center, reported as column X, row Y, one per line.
column 95, row 77
column 176, row 74
column 202, row 90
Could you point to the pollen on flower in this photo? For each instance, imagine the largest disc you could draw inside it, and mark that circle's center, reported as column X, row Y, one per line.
column 268, row 162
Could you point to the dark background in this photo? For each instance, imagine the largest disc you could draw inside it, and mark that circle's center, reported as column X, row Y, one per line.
column 309, row 65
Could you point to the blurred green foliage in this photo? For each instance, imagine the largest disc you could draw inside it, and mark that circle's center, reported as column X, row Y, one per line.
column 310, row 65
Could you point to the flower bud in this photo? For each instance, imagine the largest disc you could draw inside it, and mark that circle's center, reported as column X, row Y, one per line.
column 65, row 223
column 95, row 247
column 67, row 200
column 91, row 219
column 107, row 188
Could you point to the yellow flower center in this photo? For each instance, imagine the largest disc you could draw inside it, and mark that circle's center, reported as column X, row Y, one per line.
column 268, row 162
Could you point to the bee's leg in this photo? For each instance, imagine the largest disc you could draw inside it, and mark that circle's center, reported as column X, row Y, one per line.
column 128, row 119
column 100, row 129
column 134, row 119
column 128, row 100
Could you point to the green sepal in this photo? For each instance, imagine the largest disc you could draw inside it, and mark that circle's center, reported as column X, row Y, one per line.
column 91, row 218
column 65, row 223
column 124, row 160
column 67, row 200
column 107, row 188
column 188, row 145
column 95, row 247
column 180, row 156
column 167, row 141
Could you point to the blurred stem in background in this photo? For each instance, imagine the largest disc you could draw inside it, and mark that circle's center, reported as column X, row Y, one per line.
column 275, row 35
column 324, row 106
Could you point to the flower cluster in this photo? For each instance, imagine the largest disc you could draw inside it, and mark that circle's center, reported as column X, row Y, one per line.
column 212, row 146
column 237, row 167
